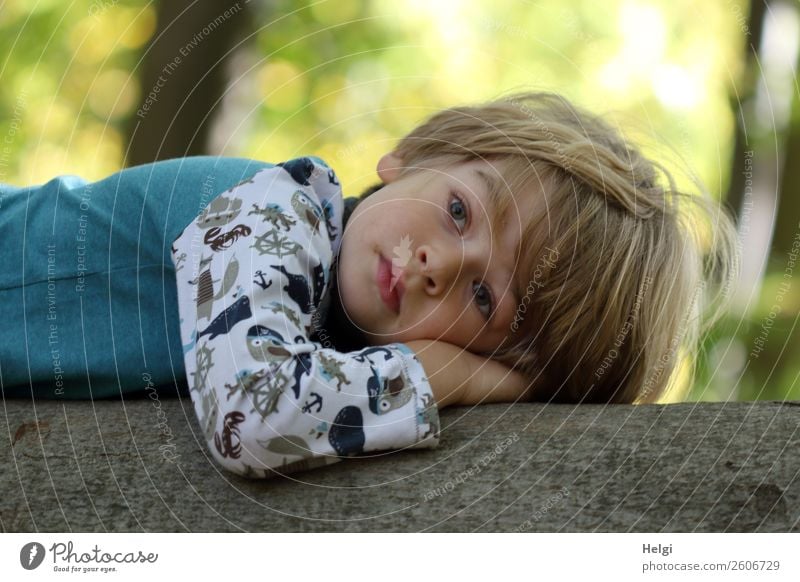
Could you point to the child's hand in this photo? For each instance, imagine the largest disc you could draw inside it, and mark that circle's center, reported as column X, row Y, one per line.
column 493, row 381
column 463, row 378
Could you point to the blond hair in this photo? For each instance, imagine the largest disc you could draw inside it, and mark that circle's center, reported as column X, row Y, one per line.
column 608, row 316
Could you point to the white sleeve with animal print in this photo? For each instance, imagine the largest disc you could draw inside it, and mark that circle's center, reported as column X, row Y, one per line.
column 268, row 399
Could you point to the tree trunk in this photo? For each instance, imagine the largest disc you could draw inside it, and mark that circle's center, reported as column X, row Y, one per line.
column 183, row 77
column 742, row 103
column 788, row 214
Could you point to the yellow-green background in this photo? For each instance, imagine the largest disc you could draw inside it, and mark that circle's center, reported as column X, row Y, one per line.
column 344, row 80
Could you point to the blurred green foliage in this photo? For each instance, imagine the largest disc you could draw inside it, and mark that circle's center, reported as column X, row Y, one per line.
column 68, row 75
column 346, row 79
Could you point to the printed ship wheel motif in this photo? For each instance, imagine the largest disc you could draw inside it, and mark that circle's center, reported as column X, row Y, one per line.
column 263, row 388
column 204, row 364
column 272, row 243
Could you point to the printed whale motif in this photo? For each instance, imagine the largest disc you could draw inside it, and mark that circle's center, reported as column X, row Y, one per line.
column 346, row 435
column 223, row 323
column 298, row 290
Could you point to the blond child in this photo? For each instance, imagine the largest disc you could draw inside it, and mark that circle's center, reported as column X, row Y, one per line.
column 515, row 250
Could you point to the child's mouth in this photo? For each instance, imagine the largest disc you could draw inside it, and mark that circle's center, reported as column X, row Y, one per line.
column 387, row 282
column 397, row 272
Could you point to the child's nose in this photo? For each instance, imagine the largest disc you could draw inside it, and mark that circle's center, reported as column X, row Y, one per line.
column 438, row 269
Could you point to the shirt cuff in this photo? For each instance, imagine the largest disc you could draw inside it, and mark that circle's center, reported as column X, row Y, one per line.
column 406, row 427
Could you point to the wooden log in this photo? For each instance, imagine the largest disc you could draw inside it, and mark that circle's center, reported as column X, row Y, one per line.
column 141, row 465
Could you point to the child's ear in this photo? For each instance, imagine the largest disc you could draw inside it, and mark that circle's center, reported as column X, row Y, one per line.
column 389, row 167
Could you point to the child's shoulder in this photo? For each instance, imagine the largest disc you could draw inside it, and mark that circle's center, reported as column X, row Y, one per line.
column 306, row 187
column 298, row 197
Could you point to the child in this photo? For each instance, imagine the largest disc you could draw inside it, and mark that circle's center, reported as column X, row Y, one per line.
column 519, row 249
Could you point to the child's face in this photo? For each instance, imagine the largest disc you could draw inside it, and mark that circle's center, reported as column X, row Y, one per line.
column 445, row 260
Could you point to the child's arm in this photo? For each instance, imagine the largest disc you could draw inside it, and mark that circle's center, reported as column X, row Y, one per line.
column 462, row 378
column 257, row 265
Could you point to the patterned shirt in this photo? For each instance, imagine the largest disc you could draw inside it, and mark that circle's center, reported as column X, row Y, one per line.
column 253, row 288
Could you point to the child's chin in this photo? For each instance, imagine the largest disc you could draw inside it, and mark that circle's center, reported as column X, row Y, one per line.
column 382, row 339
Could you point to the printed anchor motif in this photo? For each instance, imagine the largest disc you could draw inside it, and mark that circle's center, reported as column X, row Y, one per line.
column 244, row 385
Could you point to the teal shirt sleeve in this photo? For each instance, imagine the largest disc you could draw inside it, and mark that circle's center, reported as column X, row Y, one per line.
column 87, row 292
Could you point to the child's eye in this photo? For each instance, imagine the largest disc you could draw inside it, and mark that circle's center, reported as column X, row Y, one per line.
column 485, row 297
column 457, row 203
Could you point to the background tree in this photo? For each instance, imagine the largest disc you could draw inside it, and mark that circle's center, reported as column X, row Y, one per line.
column 184, row 77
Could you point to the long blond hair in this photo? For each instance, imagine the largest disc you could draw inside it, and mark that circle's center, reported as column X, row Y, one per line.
column 631, row 287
